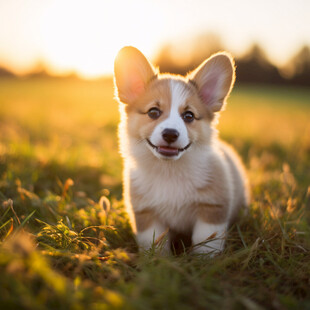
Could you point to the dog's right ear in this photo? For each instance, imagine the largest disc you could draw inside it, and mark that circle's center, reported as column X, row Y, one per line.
column 132, row 72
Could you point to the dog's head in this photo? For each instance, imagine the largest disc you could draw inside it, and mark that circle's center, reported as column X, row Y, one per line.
column 170, row 114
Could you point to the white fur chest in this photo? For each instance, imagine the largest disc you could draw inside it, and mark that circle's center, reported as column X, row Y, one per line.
column 169, row 188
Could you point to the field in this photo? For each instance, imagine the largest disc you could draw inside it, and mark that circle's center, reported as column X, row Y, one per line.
column 65, row 239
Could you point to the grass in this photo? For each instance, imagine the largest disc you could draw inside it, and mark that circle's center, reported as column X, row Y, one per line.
column 65, row 239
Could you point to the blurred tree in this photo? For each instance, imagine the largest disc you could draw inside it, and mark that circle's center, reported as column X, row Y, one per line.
column 6, row 73
column 254, row 67
column 164, row 60
column 298, row 68
column 38, row 71
column 204, row 46
column 183, row 56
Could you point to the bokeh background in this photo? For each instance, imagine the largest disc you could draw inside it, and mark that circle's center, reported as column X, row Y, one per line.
column 56, row 66
column 270, row 38
column 60, row 170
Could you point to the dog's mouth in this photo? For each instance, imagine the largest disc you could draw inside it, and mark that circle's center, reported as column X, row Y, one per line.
column 167, row 150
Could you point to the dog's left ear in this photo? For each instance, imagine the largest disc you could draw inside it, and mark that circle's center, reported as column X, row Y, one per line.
column 132, row 72
column 214, row 79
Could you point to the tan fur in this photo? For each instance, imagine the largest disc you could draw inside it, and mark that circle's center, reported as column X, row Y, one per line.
column 144, row 219
column 214, row 214
column 200, row 191
column 141, row 127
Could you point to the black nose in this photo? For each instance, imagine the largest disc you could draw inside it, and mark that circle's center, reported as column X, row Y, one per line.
column 170, row 135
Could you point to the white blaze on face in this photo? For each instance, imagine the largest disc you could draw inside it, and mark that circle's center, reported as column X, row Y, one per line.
column 174, row 120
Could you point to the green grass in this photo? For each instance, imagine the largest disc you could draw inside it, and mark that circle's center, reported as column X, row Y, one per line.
column 65, row 238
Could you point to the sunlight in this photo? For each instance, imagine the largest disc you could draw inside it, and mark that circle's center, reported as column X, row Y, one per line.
column 85, row 38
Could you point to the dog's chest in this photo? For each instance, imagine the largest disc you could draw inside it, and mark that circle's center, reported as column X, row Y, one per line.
column 167, row 189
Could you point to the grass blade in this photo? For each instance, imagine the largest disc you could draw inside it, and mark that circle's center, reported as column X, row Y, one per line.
column 25, row 220
column 241, row 237
column 10, row 220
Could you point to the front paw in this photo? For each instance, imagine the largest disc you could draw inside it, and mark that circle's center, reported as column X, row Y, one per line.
column 208, row 238
column 211, row 247
column 154, row 238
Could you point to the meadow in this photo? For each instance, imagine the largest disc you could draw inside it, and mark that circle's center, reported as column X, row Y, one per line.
column 65, row 241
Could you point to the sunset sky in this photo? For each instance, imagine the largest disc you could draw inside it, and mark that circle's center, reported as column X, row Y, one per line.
column 84, row 36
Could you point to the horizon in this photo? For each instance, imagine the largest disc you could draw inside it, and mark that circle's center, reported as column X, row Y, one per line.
column 84, row 37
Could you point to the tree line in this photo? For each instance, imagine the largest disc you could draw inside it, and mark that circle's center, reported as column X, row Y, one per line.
column 252, row 67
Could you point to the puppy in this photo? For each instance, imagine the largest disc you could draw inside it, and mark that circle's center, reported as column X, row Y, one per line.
column 178, row 176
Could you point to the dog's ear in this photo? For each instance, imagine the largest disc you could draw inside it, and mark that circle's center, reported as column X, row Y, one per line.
column 214, row 79
column 132, row 72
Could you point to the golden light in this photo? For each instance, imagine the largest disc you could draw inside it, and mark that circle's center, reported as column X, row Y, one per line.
column 86, row 36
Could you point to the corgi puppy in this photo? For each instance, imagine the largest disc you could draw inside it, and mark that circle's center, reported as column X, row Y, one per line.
column 178, row 176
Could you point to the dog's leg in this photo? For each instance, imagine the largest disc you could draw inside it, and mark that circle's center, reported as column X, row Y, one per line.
column 208, row 238
column 210, row 229
column 149, row 229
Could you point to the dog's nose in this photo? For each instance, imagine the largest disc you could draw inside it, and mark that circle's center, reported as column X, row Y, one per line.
column 170, row 135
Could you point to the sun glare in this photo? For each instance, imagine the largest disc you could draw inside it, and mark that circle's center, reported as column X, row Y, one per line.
column 85, row 37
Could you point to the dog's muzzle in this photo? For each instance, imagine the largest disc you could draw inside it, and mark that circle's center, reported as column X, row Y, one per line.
column 167, row 150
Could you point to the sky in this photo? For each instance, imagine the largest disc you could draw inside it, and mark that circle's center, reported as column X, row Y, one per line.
column 84, row 36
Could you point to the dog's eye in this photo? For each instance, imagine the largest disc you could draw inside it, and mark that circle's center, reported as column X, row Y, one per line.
column 188, row 116
column 154, row 113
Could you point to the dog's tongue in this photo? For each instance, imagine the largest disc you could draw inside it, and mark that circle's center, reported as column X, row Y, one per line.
column 167, row 151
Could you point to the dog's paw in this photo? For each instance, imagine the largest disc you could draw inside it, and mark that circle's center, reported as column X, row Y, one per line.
column 211, row 247
column 208, row 238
